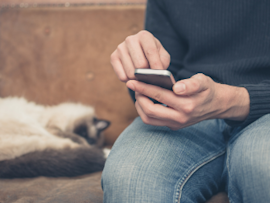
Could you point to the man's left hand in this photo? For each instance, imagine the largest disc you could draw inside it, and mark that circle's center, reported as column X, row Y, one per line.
column 191, row 101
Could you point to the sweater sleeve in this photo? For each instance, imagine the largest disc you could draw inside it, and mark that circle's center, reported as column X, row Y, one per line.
column 259, row 103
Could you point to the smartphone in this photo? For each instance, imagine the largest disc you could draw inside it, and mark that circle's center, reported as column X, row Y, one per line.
column 161, row 78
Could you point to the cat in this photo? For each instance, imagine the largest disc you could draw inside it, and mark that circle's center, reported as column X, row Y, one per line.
column 53, row 141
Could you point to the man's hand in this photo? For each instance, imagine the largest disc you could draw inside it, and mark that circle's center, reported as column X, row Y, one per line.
column 142, row 50
column 191, row 101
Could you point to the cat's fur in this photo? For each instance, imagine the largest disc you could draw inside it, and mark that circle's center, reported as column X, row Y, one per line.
column 36, row 140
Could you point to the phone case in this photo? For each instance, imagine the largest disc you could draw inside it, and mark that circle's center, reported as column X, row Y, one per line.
column 161, row 78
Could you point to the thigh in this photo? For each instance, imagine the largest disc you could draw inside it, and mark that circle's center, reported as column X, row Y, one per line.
column 248, row 163
column 155, row 164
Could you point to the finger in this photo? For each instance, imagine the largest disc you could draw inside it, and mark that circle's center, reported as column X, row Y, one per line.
column 146, row 119
column 153, row 121
column 157, row 111
column 118, row 67
column 164, row 55
column 162, row 95
column 136, row 52
column 150, row 49
column 193, row 85
column 126, row 61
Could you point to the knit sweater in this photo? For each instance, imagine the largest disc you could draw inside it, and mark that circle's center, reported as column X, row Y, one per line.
column 226, row 40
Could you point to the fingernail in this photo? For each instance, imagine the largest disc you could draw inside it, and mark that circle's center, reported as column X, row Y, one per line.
column 179, row 88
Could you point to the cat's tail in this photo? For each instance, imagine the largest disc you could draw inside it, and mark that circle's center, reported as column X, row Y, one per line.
column 54, row 163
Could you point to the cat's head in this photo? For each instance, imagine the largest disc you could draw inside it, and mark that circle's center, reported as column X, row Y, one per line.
column 91, row 129
column 79, row 119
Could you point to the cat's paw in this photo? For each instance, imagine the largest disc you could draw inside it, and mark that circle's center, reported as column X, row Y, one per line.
column 106, row 152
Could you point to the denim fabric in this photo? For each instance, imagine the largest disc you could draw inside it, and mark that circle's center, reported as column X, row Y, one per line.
column 248, row 163
column 155, row 164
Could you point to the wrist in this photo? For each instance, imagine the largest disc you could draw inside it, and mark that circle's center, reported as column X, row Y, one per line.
column 235, row 102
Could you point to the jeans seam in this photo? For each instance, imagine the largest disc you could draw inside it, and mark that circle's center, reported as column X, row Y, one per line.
column 194, row 170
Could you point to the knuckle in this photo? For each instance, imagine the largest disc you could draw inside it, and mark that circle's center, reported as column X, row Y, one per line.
column 141, row 64
column 143, row 33
column 123, row 78
column 129, row 39
column 202, row 81
column 157, row 97
column 188, row 109
column 113, row 57
column 149, row 112
column 150, row 51
column 145, row 119
column 167, row 60
column 183, row 120
column 120, row 47
column 196, row 86
column 207, row 79
column 195, row 83
column 200, row 77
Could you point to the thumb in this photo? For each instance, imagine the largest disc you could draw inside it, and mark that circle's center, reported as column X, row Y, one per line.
column 193, row 85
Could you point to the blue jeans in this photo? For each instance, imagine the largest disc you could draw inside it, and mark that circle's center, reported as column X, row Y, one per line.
column 155, row 164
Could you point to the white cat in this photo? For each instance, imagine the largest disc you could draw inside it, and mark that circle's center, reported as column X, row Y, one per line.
column 62, row 140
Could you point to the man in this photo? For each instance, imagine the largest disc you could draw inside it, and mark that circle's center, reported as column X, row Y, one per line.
column 214, row 131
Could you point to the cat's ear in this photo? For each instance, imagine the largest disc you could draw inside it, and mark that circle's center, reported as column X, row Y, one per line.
column 101, row 124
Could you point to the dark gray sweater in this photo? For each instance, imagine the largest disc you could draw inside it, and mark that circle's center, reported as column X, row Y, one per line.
column 228, row 40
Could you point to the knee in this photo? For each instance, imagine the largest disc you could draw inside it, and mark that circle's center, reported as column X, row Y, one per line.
column 137, row 174
column 250, row 153
column 249, row 164
column 250, row 161
column 126, row 180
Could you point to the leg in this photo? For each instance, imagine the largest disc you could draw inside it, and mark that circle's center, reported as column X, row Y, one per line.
column 155, row 164
column 248, row 163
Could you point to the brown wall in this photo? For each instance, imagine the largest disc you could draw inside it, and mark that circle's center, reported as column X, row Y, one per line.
column 52, row 55
column 68, row 2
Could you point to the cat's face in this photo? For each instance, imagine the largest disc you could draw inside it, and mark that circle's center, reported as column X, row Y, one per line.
column 90, row 129
column 79, row 119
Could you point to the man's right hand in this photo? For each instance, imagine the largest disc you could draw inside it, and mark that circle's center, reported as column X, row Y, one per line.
column 142, row 50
